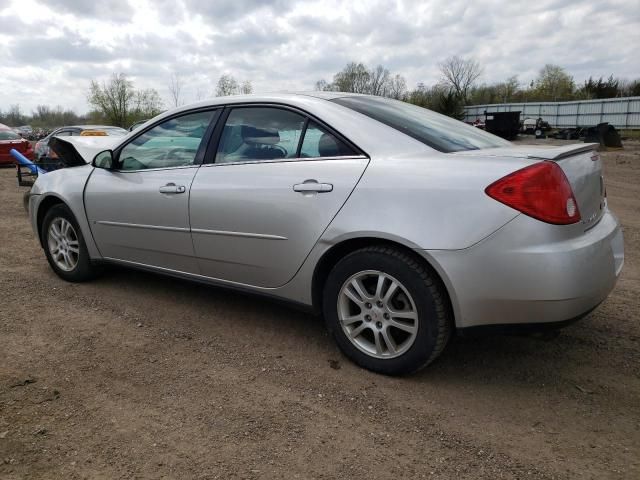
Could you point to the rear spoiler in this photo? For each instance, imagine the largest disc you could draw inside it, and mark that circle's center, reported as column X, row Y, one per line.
column 558, row 153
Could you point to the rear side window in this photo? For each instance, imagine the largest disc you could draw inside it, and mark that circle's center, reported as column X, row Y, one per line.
column 260, row 133
column 437, row 131
column 319, row 142
column 268, row 133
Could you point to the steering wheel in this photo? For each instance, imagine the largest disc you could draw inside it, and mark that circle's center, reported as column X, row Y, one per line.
column 282, row 149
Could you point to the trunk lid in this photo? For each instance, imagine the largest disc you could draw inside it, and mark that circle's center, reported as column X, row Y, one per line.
column 581, row 165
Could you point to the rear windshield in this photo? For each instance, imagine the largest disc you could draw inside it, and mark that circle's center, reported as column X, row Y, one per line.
column 438, row 131
column 9, row 135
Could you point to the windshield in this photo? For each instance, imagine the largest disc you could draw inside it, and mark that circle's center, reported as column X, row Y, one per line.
column 9, row 135
column 438, row 131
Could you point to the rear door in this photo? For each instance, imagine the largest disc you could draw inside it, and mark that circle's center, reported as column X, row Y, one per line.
column 140, row 212
column 277, row 180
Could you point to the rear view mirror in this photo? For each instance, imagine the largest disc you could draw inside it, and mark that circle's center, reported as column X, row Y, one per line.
column 104, row 160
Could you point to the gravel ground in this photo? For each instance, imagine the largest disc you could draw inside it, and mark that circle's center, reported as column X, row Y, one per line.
column 140, row 376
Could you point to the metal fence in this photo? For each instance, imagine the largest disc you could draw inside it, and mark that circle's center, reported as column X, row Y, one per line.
column 622, row 113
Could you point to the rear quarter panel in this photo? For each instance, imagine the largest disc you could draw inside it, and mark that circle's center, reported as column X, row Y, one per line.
column 432, row 201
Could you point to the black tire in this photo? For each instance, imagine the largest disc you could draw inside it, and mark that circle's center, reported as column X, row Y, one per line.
column 84, row 270
column 434, row 317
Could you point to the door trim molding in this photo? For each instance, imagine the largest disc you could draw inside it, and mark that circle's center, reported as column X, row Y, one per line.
column 138, row 225
column 238, row 234
column 193, row 230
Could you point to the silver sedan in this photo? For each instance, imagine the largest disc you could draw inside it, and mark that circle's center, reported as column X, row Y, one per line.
column 400, row 226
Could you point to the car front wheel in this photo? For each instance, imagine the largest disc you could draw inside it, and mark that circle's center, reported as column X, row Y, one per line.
column 387, row 311
column 65, row 247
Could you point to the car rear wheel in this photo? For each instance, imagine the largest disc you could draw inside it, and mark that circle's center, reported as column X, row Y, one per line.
column 65, row 247
column 387, row 311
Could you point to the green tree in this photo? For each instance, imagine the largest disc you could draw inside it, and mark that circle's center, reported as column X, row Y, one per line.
column 353, row 78
column 113, row 99
column 554, row 83
column 600, row 88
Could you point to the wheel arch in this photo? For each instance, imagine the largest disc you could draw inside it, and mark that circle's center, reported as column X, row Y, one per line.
column 343, row 248
column 45, row 205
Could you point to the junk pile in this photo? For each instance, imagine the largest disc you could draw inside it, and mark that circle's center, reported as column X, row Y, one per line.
column 603, row 133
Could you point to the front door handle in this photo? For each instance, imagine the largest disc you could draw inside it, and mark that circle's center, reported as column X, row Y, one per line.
column 173, row 188
column 312, row 186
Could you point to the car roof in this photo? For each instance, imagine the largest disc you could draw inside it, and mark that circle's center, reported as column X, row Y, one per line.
column 292, row 98
column 89, row 127
column 366, row 137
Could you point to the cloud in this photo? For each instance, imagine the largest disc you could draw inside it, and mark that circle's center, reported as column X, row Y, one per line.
column 70, row 47
column 52, row 49
column 108, row 10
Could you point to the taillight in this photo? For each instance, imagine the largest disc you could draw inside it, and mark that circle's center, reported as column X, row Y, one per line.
column 541, row 191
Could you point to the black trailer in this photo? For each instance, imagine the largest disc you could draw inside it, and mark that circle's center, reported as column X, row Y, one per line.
column 503, row 124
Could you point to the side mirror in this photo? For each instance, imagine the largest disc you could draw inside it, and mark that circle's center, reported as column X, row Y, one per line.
column 104, row 160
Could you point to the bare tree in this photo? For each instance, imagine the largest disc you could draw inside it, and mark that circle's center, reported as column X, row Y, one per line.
column 460, row 74
column 175, row 89
column 508, row 88
column 322, row 85
column 379, row 81
column 147, row 104
column 14, row 116
column 246, row 87
column 397, row 87
column 200, row 94
column 227, row 85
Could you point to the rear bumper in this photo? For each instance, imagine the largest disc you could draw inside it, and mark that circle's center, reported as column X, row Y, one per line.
column 514, row 278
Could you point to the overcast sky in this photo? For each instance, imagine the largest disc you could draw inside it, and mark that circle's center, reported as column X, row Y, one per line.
column 49, row 50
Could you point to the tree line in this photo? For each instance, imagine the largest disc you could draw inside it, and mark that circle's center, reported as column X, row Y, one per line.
column 119, row 102
column 459, row 85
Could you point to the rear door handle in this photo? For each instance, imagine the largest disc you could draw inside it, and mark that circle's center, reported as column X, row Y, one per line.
column 173, row 188
column 312, row 186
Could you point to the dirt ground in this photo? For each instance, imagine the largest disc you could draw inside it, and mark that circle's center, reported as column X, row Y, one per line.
column 140, row 376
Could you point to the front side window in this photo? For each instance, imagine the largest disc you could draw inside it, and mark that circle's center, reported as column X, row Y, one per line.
column 318, row 142
column 437, row 131
column 173, row 143
column 260, row 133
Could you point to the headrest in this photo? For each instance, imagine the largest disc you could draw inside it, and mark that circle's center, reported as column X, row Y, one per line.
column 260, row 136
column 328, row 146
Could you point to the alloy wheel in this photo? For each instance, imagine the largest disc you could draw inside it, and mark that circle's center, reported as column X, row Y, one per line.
column 377, row 314
column 63, row 244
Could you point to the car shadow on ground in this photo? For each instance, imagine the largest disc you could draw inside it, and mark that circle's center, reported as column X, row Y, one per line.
column 481, row 360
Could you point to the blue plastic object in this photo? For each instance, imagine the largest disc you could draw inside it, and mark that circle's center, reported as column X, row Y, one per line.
column 22, row 160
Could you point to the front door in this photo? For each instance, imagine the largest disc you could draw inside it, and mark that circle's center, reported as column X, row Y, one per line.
column 140, row 211
column 277, row 181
